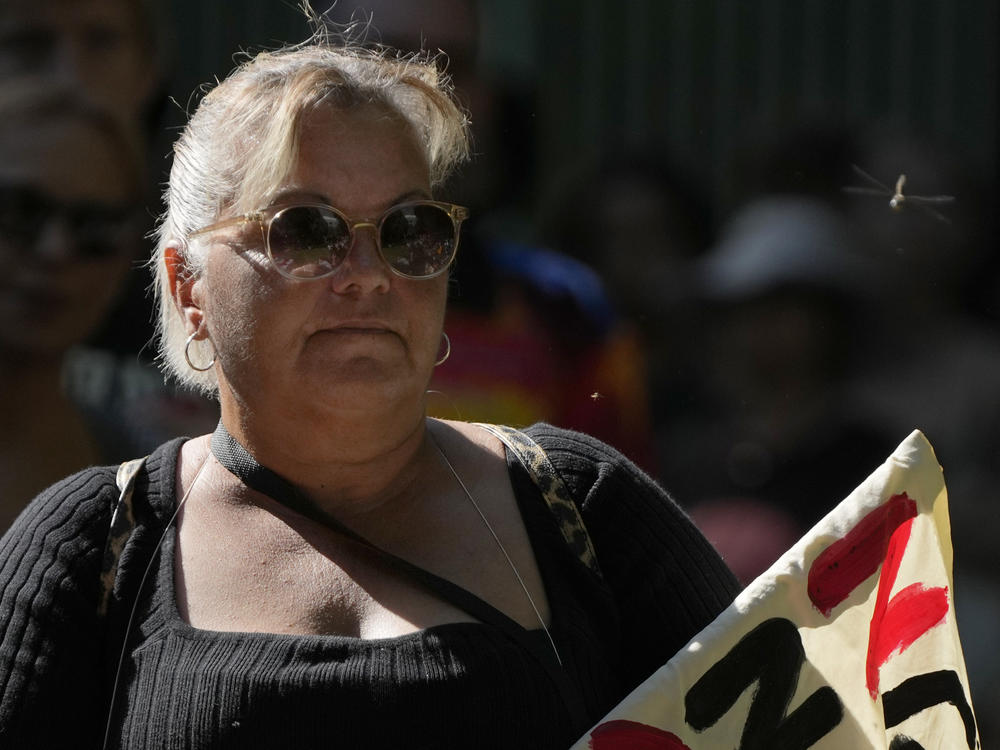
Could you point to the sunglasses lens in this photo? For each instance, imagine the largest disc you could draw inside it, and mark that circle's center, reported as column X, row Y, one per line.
column 94, row 231
column 23, row 214
column 418, row 240
column 308, row 241
column 102, row 233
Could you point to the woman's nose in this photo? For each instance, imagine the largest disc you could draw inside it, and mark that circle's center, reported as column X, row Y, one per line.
column 56, row 241
column 363, row 270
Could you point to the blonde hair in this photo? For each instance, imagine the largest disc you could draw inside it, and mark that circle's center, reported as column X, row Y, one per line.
column 242, row 143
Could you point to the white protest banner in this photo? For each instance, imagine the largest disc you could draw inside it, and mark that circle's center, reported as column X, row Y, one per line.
column 848, row 641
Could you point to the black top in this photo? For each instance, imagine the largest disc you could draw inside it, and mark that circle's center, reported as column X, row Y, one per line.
column 454, row 685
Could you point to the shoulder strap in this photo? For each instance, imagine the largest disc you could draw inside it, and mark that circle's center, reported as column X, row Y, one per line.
column 534, row 459
column 121, row 527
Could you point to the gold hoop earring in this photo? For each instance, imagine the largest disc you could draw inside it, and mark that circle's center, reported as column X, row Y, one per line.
column 447, row 351
column 187, row 355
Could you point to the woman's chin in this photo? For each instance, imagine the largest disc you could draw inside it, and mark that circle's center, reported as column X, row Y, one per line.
column 359, row 382
column 363, row 372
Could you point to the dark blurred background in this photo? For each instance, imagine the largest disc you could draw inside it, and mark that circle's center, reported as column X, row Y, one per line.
column 696, row 79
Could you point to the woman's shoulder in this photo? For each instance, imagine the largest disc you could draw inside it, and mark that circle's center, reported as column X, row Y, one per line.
column 572, row 443
column 590, row 467
column 72, row 502
column 666, row 577
column 80, row 505
column 625, row 509
column 49, row 563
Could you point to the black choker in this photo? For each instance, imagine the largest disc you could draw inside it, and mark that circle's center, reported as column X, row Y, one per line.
column 237, row 459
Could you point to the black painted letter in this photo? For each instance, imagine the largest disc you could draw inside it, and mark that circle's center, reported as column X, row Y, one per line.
column 923, row 691
column 772, row 655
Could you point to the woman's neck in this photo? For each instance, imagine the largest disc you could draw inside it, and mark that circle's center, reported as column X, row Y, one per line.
column 350, row 464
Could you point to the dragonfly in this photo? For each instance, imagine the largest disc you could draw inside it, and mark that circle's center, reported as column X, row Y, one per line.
column 898, row 200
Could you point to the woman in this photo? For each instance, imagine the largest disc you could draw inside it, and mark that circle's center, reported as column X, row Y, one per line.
column 387, row 580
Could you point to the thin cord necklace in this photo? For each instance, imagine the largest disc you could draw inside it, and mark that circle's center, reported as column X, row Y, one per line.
column 496, row 538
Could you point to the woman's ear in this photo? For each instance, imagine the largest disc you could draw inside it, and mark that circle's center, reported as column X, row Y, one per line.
column 185, row 287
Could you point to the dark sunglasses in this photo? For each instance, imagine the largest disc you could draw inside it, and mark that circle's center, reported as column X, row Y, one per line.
column 417, row 240
column 97, row 230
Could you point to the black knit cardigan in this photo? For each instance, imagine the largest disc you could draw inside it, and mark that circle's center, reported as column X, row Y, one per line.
column 451, row 686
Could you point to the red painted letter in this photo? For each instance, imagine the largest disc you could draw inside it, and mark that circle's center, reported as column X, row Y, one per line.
column 632, row 735
column 848, row 562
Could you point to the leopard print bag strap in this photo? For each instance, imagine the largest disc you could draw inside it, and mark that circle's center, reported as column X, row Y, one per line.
column 120, row 529
column 534, row 459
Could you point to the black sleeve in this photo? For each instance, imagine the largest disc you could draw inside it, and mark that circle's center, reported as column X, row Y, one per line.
column 51, row 644
column 667, row 580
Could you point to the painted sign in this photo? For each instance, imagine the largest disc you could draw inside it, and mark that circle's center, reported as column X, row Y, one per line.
column 848, row 640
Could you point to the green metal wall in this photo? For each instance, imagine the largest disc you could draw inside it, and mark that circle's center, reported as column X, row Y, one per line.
column 695, row 75
column 689, row 75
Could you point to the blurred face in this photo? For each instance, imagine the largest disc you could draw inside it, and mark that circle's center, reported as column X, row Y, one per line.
column 66, row 226
column 95, row 47
column 777, row 347
column 643, row 245
column 360, row 335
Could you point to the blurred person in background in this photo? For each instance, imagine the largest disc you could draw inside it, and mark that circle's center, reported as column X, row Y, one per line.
column 641, row 221
column 103, row 51
column 70, row 224
column 101, row 59
column 112, row 55
column 533, row 332
column 785, row 296
column 773, row 301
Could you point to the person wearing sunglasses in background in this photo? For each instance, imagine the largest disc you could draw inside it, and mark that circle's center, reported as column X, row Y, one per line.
column 331, row 568
column 98, row 50
column 68, row 228
column 74, row 73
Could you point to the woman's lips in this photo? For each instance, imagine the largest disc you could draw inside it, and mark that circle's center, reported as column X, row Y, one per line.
column 374, row 326
column 359, row 331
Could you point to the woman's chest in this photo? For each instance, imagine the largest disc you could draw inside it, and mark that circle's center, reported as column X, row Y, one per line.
column 262, row 575
column 266, row 580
